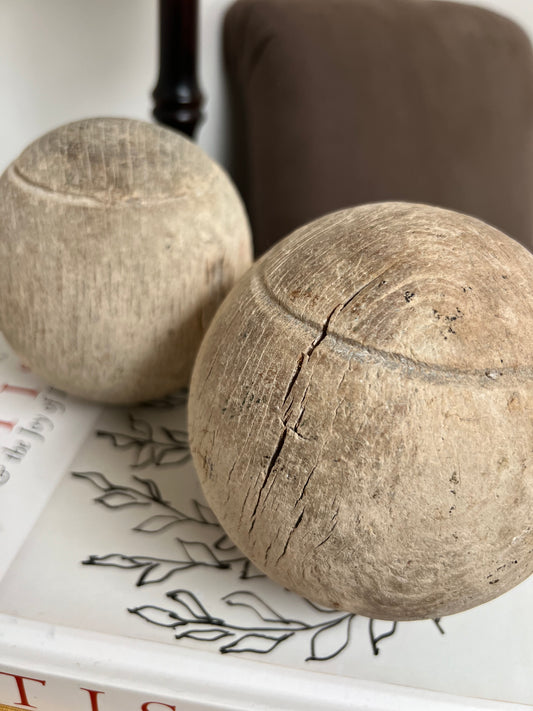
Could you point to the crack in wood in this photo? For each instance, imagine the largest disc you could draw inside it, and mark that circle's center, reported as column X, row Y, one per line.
column 306, row 355
column 273, row 459
column 376, row 280
column 298, row 522
column 330, row 533
column 302, row 410
column 294, row 377
column 305, row 485
column 303, row 358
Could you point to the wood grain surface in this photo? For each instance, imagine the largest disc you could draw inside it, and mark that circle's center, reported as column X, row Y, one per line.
column 118, row 240
column 361, row 412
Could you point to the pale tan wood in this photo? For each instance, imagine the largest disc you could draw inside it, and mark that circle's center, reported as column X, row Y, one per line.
column 118, row 241
column 361, row 412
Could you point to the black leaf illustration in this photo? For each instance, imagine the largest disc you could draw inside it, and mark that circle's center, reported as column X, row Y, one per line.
column 158, row 571
column 119, row 440
column 153, row 490
column 249, row 571
column 117, row 497
column 159, row 522
column 143, row 427
column 224, row 544
column 155, row 570
column 212, row 634
column 188, row 603
column 325, row 643
column 114, row 560
column 146, row 455
column 376, row 639
column 120, row 498
column 96, row 478
column 178, row 436
column 205, row 513
column 170, row 455
column 170, row 448
column 245, row 598
column 256, row 643
column 200, row 553
column 157, row 615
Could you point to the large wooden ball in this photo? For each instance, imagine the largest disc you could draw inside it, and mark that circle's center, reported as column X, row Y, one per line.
column 361, row 412
column 118, row 240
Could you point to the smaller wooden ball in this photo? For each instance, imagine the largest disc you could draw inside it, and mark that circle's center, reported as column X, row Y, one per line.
column 361, row 412
column 118, row 241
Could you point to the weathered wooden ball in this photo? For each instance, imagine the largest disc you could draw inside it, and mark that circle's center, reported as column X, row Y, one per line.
column 118, row 241
column 361, row 412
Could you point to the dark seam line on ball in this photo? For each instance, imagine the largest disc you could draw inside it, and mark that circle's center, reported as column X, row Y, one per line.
column 411, row 367
column 92, row 200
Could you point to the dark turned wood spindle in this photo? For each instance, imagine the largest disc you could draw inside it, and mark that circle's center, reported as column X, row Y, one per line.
column 178, row 99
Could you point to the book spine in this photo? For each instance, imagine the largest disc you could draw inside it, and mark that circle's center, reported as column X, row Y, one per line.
column 26, row 689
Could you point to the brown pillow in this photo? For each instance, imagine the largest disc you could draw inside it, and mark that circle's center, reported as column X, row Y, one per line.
column 343, row 102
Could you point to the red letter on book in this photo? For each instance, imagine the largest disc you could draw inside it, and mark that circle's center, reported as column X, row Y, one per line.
column 93, row 695
column 146, row 706
column 22, row 691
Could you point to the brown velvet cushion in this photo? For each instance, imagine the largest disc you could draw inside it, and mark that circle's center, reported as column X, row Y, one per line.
column 343, row 102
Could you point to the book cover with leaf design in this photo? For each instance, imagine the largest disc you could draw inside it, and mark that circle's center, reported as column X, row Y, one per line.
column 120, row 590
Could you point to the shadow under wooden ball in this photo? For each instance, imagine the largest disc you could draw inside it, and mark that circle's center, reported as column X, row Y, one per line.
column 118, row 241
column 361, row 408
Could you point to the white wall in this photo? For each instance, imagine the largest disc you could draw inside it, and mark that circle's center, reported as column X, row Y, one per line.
column 62, row 60
column 519, row 10
column 66, row 59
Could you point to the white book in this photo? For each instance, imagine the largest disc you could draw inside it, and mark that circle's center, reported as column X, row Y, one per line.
column 120, row 591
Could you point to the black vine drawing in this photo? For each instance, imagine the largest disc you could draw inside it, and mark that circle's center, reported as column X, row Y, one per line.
column 193, row 553
column 168, row 448
column 117, row 496
column 185, row 614
column 190, row 616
